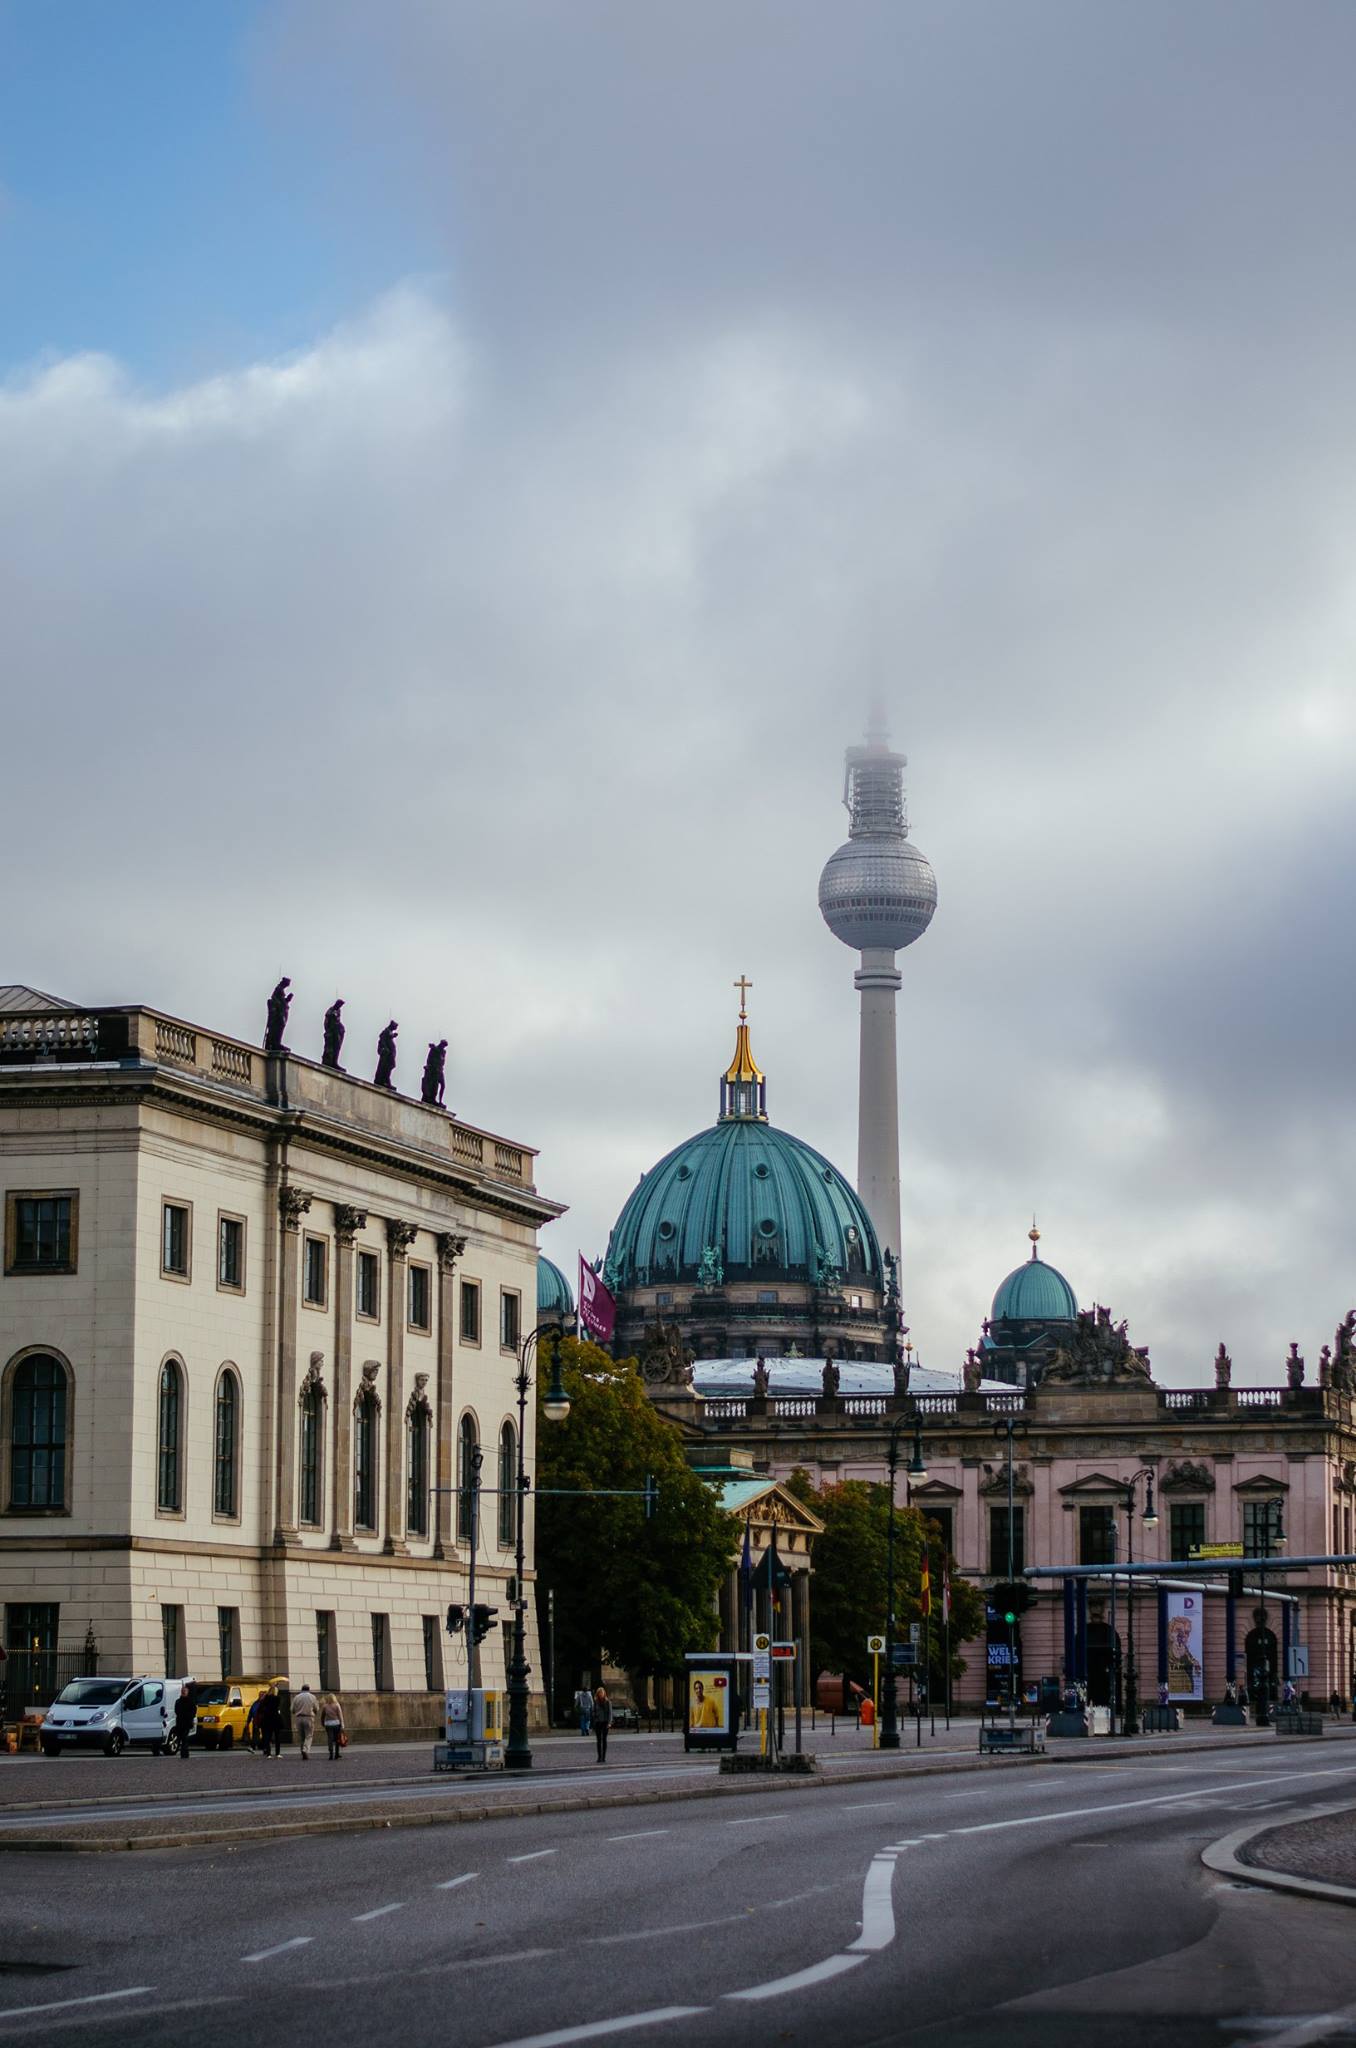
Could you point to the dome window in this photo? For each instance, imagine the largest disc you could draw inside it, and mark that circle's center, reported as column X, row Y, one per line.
column 761, row 1170
column 828, row 1175
column 767, row 1228
column 666, row 1228
column 683, row 1173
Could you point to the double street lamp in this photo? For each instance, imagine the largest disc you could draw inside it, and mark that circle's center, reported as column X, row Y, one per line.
column 555, row 1407
column 1130, row 1724
column 917, row 1470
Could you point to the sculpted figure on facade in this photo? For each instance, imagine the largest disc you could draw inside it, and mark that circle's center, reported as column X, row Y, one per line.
column 1099, row 1351
column 275, row 1022
column 348, row 1221
column 386, row 1056
column 1224, row 1368
column 761, row 1379
column 334, row 1034
column 829, row 1379
column 1343, row 1374
column 435, row 1068
column 666, row 1360
column 972, row 1371
column 1294, row 1368
column 828, row 1277
column 710, row 1268
column 1185, row 1476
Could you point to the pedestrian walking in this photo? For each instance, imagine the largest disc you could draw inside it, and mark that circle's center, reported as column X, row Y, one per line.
column 185, row 1715
column 303, row 1718
column 332, row 1721
column 602, row 1721
column 253, row 1739
column 269, row 1723
column 1335, row 1703
column 583, row 1706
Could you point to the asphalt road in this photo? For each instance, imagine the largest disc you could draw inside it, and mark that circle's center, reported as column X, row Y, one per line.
column 1062, row 1904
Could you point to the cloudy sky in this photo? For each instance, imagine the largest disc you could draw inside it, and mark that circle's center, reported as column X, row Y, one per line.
column 464, row 471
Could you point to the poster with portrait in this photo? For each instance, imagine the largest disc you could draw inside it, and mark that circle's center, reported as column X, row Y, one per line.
column 1186, row 1646
column 712, row 1702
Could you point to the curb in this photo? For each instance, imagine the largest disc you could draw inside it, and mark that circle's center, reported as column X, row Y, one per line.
column 1222, row 1857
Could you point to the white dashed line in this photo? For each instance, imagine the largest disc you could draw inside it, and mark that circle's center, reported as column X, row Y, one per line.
column 531, row 1857
column 297, row 1941
column 449, row 1884
column 377, row 1912
column 756, row 1820
column 801, row 1980
column 641, row 1835
column 878, row 1913
column 589, row 2033
column 22, row 2012
column 870, row 1805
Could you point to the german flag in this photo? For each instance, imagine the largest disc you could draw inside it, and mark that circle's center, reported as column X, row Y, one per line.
column 925, row 1587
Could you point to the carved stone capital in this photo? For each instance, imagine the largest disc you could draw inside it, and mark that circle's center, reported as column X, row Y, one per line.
column 451, row 1246
column 347, row 1222
column 400, row 1236
column 292, row 1206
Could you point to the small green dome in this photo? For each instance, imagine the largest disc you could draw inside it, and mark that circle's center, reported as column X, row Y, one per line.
column 747, row 1199
column 1034, row 1293
column 553, row 1290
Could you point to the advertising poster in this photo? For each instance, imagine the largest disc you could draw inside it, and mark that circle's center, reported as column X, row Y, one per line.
column 708, row 1702
column 1186, row 1646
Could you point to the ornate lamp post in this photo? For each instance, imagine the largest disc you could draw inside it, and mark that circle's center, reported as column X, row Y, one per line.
column 1130, row 1724
column 917, row 1470
column 1273, row 1528
column 556, row 1406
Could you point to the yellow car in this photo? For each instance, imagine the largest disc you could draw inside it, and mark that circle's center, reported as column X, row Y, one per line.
column 224, row 1708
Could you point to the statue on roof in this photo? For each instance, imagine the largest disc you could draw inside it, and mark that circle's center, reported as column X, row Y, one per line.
column 275, row 1023
column 435, row 1068
column 386, row 1056
column 829, row 1379
column 972, row 1371
column 1343, row 1375
column 665, row 1360
column 1294, row 1368
column 1224, row 1369
column 334, row 1029
column 762, row 1379
column 1098, row 1352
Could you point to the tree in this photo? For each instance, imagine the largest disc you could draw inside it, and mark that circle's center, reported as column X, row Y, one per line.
column 848, row 1596
column 634, row 1592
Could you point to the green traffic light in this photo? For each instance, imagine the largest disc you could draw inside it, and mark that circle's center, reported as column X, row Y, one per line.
column 1009, row 1617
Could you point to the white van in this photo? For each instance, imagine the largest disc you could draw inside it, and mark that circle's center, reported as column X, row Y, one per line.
column 108, row 1713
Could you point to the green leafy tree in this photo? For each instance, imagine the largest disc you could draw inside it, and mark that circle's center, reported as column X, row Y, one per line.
column 635, row 1592
column 848, row 1594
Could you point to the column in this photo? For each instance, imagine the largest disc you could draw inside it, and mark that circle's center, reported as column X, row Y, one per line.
column 450, row 1249
column 293, row 1203
column 399, row 1237
column 347, row 1223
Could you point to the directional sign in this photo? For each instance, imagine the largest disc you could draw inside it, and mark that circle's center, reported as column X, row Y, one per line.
column 762, row 1694
column 915, row 1631
column 1199, row 1550
column 875, row 1646
column 762, row 1642
column 762, row 1666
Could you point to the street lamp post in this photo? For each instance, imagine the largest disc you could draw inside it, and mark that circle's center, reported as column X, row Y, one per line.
column 556, row 1406
column 1274, row 1530
column 917, row 1469
column 1130, row 1721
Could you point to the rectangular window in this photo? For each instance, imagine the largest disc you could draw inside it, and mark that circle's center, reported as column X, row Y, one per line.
column 315, row 1260
column 310, row 1427
column 663, row 1300
column 431, row 1653
column 470, row 1311
column 40, row 1233
column 365, row 1462
column 175, row 1240
column 171, row 1626
column 1096, row 1535
column 231, row 1254
column 381, row 1653
column 508, row 1320
column 369, row 1284
column 998, row 1542
column 1186, row 1527
column 943, row 1518
column 324, row 1652
column 228, row 1640
column 1259, row 1528
column 421, row 1299
column 767, row 1294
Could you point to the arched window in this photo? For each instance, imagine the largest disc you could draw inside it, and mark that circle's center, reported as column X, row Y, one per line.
column 365, row 1461
column 418, row 1429
column 226, row 1447
column 468, row 1447
column 311, row 1437
column 169, row 1488
column 37, row 1457
column 508, row 1485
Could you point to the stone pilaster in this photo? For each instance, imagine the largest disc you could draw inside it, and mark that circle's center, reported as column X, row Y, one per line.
column 347, row 1223
column 399, row 1237
column 450, row 1249
column 293, row 1202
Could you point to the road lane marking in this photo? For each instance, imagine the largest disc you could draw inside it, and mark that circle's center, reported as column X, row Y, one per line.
column 1185, row 1800
column 869, row 1805
column 1309, row 2030
column 22, row 2012
column 377, row 1912
column 619, row 2026
column 449, row 1884
column 263, row 1954
column 640, row 1835
column 878, row 1913
column 531, row 1856
column 801, row 1980
column 755, row 1819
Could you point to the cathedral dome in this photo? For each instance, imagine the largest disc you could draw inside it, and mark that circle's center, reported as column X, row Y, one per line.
column 553, row 1291
column 762, row 1202
column 1034, row 1293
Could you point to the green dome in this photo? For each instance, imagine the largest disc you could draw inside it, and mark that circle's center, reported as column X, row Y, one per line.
column 553, row 1290
column 1034, row 1293
column 764, row 1203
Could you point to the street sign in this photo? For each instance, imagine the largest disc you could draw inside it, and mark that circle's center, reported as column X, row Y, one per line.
column 762, row 1642
column 1200, row 1550
column 906, row 1654
column 915, row 1631
column 875, row 1646
column 784, row 1653
column 1299, row 1661
column 762, row 1695
column 762, row 1666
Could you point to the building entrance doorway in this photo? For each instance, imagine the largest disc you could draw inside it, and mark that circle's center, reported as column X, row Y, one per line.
column 1104, row 1656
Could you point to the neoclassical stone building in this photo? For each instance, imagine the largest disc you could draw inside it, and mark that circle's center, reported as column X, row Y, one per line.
column 256, row 1315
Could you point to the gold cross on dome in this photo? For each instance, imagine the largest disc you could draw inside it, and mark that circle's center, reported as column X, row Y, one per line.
column 743, row 985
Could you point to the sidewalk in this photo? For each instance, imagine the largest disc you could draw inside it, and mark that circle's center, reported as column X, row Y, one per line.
column 1321, row 1848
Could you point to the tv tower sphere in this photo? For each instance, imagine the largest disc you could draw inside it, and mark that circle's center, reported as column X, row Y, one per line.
column 877, row 894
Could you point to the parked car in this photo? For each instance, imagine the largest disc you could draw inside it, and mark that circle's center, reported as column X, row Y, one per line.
column 109, row 1713
column 223, row 1710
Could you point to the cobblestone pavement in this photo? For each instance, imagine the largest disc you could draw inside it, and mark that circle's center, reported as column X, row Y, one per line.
column 1323, row 1849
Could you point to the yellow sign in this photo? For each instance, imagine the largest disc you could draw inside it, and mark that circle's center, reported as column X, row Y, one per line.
column 875, row 1645
column 1205, row 1550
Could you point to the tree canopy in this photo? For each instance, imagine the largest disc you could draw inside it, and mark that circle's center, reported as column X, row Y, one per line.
column 636, row 1593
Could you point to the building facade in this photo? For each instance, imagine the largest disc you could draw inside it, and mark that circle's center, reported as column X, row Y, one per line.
column 259, row 1332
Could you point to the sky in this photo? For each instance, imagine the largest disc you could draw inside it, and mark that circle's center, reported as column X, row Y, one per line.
column 465, row 472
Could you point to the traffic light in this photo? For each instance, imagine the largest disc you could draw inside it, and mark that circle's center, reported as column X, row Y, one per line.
column 1236, row 1585
column 1009, row 1601
column 481, row 1617
column 651, row 1496
column 456, row 1619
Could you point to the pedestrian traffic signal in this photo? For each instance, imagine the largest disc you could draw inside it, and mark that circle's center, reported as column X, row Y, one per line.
column 481, row 1617
column 456, row 1619
column 1009, row 1601
column 1235, row 1585
column 651, row 1496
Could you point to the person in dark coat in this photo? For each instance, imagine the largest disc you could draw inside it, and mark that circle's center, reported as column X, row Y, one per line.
column 185, row 1715
column 602, row 1721
column 270, row 1723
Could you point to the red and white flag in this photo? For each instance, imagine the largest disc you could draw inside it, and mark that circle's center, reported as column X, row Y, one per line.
column 946, row 1592
column 597, row 1309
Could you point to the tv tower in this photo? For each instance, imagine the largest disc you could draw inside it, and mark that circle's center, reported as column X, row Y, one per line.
column 877, row 894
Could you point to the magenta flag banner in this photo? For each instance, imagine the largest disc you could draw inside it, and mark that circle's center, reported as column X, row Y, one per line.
column 597, row 1309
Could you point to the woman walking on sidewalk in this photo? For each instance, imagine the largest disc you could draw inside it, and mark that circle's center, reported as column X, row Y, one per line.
column 602, row 1721
column 332, row 1721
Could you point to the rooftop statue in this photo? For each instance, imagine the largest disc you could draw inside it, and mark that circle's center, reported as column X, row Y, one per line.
column 334, row 1034
column 666, row 1360
column 761, row 1379
column 275, row 1024
column 386, row 1056
column 1224, row 1368
column 972, row 1371
column 830, row 1379
column 1343, row 1375
column 435, row 1067
column 1099, row 1352
column 1294, row 1367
